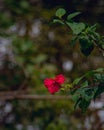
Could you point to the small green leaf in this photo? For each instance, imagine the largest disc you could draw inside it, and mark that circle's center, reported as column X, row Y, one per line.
column 85, row 84
column 85, row 43
column 87, row 51
column 86, row 46
column 89, row 74
column 88, row 93
column 76, row 81
column 77, row 28
column 99, row 90
column 93, row 27
column 60, row 12
column 77, row 103
column 75, row 96
column 99, row 70
column 57, row 21
column 73, row 40
column 97, row 76
column 83, row 105
column 70, row 16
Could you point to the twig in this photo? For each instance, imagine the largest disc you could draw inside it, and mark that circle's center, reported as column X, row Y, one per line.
column 101, row 50
column 19, row 95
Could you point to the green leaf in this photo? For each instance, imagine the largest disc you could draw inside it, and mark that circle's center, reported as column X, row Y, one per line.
column 76, row 81
column 77, row 103
column 99, row 90
column 77, row 28
column 83, row 105
column 93, row 27
column 60, row 12
column 75, row 96
column 88, row 93
column 87, row 51
column 98, row 76
column 89, row 74
column 85, row 42
column 99, row 70
column 85, row 84
column 70, row 16
column 57, row 21
column 73, row 40
column 86, row 46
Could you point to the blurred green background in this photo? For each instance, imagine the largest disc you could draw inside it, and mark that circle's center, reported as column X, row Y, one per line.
column 31, row 49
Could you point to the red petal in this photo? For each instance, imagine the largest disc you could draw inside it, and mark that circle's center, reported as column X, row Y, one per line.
column 60, row 79
column 49, row 82
column 54, row 88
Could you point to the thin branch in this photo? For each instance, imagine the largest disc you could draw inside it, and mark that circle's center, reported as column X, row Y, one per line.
column 22, row 96
column 101, row 50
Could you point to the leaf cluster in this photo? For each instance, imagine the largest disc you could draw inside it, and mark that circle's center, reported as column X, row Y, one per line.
column 86, row 35
column 89, row 86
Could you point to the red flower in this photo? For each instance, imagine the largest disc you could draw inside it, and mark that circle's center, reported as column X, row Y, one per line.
column 54, row 85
